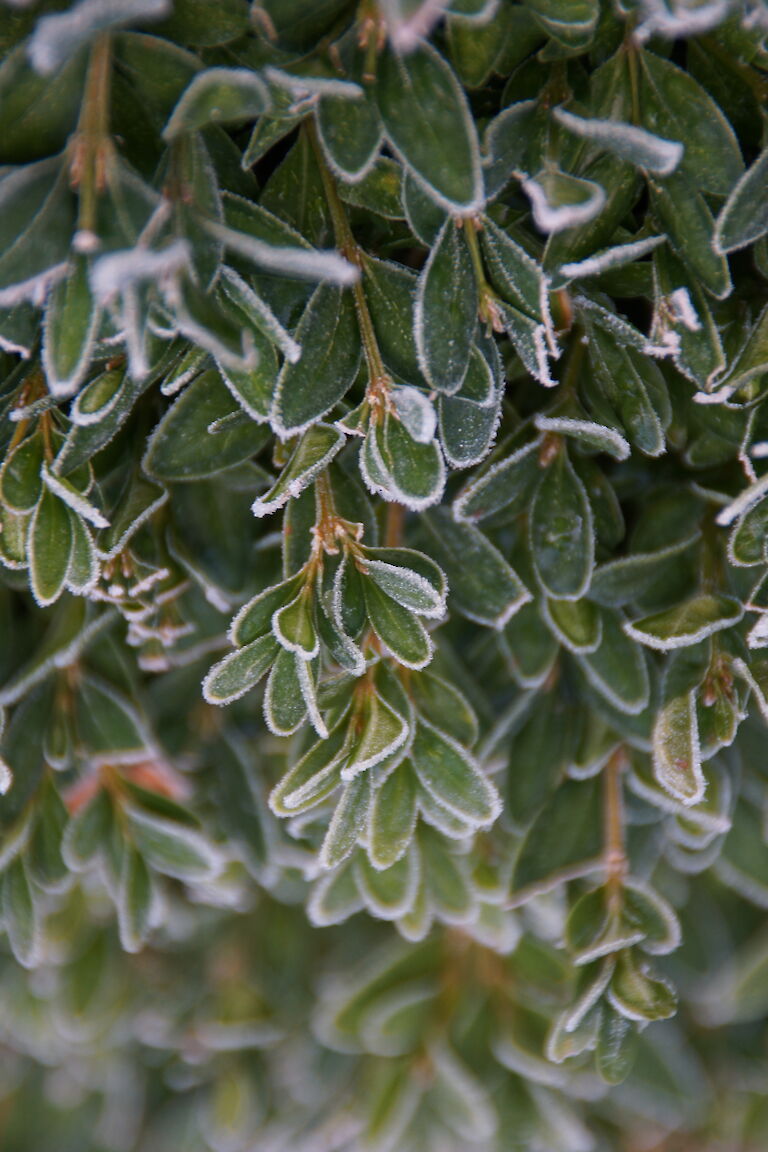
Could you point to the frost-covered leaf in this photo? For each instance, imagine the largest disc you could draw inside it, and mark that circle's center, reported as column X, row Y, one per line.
column 509, row 481
column 744, row 216
column 562, row 532
column 392, row 817
column 136, row 907
column 182, row 446
column 408, row 577
column 445, row 315
column 347, row 822
column 686, row 623
column 171, row 848
column 452, row 778
column 398, row 628
column 308, row 388
column 61, row 35
column 421, row 105
column 315, row 777
column 20, row 914
column 617, row 668
column 240, row 671
column 559, row 201
column 21, row 481
column 564, row 841
column 316, row 448
column 218, row 95
column 638, row 995
column 397, row 467
column 638, row 146
column 377, row 731
column 50, row 548
column 71, row 319
column 483, row 586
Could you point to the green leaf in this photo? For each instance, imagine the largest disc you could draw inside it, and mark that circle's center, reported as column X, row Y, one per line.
column 136, row 907
column 467, row 430
column 44, row 859
column 585, row 432
column 483, row 586
column 398, row 628
column 37, row 210
column 752, row 359
column 388, row 893
column 74, row 499
column 421, row 106
column 329, row 339
column 379, row 190
column 182, row 447
column 171, row 848
column 684, row 321
column 110, row 729
column 617, row 669
column 285, row 708
column 615, row 359
column 444, row 706
column 564, row 841
column 97, row 399
column 616, row 1046
column 314, row 451
column 559, row 201
column 349, row 130
column 37, row 113
column 571, row 22
column 335, row 897
column 638, row 995
column 593, row 930
column 240, row 671
column 390, row 292
column 71, row 319
column 425, row 217
column 674, row 105
column 392, row 817
column 347, row 822
column 399, row 468
column 452, row 778
column 314, row 778
column 293, row 625
column 576, row 623
column 523, row 307
column 743, row 218
column 138, row 501
column 507, row 482
column 20, row 914
column 653, row 916
column 561, row 532
column 218, row 96
column 445, row 313
column 410, row 578
column 686, row 623
column 260, row 316
column 542, row 750
column 448, row 884
column 255, row 618
column 376, row 732
column 87, row 832
column 685, row 217
column 640, row 147
column 50, row 548
column 21, row 481
column 676, row 751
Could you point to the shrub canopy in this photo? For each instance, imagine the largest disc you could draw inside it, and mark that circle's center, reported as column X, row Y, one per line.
column 396, row 370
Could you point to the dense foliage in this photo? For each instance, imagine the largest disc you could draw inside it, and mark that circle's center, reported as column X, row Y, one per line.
column 395, row 369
